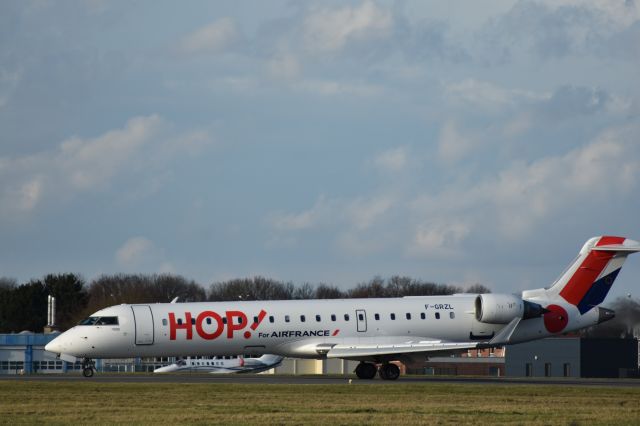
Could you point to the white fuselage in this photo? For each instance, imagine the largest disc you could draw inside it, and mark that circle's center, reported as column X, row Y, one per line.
column 368, row 330
column 297, row 328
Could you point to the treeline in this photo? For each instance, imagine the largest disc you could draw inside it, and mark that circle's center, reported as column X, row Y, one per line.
column 624, row 325
column 24, row 307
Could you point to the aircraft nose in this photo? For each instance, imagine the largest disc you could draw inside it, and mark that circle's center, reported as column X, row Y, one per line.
column 54, row 346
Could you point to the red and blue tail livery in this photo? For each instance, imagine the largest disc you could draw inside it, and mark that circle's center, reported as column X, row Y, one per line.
column 588, row 280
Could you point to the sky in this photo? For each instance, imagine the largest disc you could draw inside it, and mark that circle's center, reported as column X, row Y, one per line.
column 318, row 141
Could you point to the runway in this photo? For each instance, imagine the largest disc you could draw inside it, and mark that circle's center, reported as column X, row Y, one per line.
column 269, row 379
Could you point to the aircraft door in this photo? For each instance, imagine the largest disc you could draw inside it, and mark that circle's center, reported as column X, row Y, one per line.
column 143, row 319
column 361, row 320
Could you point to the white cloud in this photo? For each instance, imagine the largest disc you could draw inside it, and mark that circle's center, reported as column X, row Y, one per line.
column 77, row 165
column 523, row 195
column 29, row 194
column 337, row 88
column 92, row 162
column 304, row 220
column 356, row 244
column 440, row 238
column 452, row 144
column 363, row 213
column 329, row 30
column 211, row 38
column 393, row 160
column 517, row 125
column 483, row 94
column 166, row 268
column 358, row 214
column 357, row 223
column 135, row 252
column 285, row 66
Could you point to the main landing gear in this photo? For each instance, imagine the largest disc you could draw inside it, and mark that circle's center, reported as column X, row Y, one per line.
column 387, row 371
column 88, row 367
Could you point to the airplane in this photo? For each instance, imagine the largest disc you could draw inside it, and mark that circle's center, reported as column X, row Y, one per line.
column 373, row 331
column 221, row 365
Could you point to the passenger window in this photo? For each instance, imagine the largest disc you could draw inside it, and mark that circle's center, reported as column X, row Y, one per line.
column 437, row 315
column 333, row 317
column 224, row 320
column 408, row 316
column 179, row 321
column 318, row 318
column 360, row 317
column 193, row 321
column 302, row 318
column 239, row 320
column 452, row 315
column 346, row 317
column 393, row 316
column 164, row 321
column 255, row 320
column 423, row 315
column 286, row 318
column 208, row 320
column 377, row 317
column 271, row 319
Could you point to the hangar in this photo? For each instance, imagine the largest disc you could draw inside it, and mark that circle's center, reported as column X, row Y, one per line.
column 573, row 357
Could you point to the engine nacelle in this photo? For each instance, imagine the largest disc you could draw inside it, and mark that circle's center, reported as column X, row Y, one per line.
column 502, row 308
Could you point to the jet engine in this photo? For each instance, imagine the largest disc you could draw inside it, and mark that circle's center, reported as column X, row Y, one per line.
column 502, row 308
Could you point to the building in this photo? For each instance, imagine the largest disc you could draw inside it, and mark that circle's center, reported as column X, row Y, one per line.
column 474, row 362
column 573, row 357
column 24, row 353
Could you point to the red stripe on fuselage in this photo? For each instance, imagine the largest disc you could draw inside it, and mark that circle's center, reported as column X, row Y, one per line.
column 587, row 273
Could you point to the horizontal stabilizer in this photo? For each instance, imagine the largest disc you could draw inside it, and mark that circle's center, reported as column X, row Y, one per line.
column 619, row 247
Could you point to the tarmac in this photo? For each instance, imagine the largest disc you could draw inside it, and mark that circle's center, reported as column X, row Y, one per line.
column 271, row 379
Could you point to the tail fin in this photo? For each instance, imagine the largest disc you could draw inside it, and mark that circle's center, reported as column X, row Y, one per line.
column 588, row 279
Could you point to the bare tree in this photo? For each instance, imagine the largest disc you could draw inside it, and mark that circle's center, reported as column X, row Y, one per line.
column 478, row 289
column 256, row 288
column 325, row 291
column 305, row 291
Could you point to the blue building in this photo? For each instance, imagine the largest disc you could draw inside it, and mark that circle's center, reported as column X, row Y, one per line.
column 24, row 353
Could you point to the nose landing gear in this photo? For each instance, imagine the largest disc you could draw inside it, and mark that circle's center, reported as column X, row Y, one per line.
column 88, row 367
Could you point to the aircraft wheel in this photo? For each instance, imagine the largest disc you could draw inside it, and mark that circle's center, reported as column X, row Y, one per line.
column 389, row 371
column 87, row 372
column 366, row 371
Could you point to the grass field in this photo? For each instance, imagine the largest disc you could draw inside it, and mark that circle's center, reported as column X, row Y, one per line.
column 377, row 402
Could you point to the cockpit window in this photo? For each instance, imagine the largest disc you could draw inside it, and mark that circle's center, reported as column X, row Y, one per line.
column 99, row 321
column 107, row 321
column 88, row 321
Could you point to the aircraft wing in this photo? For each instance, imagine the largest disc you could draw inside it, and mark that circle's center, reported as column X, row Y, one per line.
column 358, row 351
